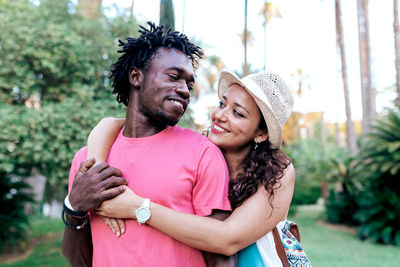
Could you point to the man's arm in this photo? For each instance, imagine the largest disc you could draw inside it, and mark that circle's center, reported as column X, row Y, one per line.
column 219, row 260
column 77, row 245
column 88, row 192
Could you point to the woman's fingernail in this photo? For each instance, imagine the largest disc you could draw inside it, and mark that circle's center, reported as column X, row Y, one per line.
column 118, row 234
column 122, row 230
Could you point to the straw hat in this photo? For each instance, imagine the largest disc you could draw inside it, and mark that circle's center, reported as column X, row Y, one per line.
column 271, row 94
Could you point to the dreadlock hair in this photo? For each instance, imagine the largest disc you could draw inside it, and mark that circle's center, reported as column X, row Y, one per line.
column 263, row 166
column 138, row 52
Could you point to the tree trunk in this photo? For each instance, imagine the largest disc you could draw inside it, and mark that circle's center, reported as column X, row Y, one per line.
column 167, row 15
column 337, row 134
column 368, row 92
column 133, row 3
column 90, row 9
column 323, row 130
column 265, row 39
column 245, row 67
column 397, row 48
column 350, row 137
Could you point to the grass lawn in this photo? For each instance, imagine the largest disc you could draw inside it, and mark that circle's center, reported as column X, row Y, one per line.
column 324, row 246
column 46, row 235
column 330, row 247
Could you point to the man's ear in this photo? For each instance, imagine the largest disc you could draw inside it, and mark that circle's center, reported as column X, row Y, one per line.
column 136, row 78
column 261, row 136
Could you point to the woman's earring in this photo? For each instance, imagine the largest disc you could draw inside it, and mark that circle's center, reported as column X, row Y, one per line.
column 256, row 145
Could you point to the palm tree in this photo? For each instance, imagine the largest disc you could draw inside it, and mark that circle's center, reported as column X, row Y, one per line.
column 368, row 92
column 245, row 67
column 351, row 137
column 397, row 48
column 268, row 11
column 167, row 15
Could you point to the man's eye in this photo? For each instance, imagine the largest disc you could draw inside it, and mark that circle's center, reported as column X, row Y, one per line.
column 190, row 87
column 173, row 77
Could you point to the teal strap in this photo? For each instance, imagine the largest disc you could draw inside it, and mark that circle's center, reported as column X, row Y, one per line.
column 250, row 257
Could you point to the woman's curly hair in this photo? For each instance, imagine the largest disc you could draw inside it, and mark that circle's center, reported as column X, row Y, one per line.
column 263, row 166
column 138, row 52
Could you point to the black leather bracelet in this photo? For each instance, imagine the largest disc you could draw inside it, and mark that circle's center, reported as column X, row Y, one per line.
column 78, row 227
column 79, row 214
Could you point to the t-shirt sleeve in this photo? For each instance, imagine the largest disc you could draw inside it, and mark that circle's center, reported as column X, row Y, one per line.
column 78, row 158
column 211, row 189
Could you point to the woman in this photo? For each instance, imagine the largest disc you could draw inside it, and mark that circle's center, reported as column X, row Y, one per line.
column 247, row 128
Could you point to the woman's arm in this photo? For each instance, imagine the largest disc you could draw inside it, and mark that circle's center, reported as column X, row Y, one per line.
column 99, row 144
column 102, row 137
column 249, row 222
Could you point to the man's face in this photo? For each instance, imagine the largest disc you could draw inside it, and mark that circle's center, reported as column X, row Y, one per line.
column 165, row 92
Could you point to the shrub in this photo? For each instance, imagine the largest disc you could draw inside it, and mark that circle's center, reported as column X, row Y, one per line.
column 342, row 204
column 13, row 221
column 379, row 212
column 311, row 160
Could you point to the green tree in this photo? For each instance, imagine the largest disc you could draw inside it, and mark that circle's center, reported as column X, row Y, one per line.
column 65, row 60
column 53, row 53
column 167, row 16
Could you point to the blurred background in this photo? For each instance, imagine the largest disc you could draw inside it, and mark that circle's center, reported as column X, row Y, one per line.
column 339, row 58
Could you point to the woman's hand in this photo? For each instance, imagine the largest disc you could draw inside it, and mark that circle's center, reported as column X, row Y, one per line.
column 116, row 225
column 123, row 206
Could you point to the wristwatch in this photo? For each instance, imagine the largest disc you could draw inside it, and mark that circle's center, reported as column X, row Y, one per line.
column 143, row 212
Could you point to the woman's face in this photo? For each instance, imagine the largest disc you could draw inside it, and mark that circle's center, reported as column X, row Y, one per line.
column 235, row 121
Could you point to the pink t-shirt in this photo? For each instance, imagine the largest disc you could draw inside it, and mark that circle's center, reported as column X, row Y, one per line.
column 177, row 168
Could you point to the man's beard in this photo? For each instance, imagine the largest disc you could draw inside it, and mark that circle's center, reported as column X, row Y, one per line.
column 163, row 118
column 160, row 117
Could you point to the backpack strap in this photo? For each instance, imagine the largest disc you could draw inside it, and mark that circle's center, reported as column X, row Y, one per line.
column 294, row 229
column 279, row 248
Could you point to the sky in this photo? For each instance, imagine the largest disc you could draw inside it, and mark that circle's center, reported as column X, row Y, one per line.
column 303, row 38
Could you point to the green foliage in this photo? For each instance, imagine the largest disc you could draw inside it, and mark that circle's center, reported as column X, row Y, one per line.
column 345, row 188
column 13, row 221
column 379, row 212
column 311, row 160
column 167, row 16
column 64, row 60
column 47, row 139
column 53, row 53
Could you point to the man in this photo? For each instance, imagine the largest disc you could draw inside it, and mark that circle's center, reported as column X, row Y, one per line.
column 163, row 162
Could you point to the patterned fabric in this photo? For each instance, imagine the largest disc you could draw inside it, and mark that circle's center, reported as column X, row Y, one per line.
column 295, row 254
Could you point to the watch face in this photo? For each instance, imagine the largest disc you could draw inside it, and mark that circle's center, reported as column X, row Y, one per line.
column 143, row 214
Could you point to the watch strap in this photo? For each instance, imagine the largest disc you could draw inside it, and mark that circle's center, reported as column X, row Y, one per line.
column 146, row 203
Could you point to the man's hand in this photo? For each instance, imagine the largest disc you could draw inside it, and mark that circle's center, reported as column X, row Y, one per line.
column 96, row 185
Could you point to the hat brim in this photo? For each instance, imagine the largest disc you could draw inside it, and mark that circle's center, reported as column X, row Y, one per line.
column 226, row 79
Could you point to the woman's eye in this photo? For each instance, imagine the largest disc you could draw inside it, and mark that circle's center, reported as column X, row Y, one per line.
column 221, row 105
column 190, row 87
column 237, row 113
